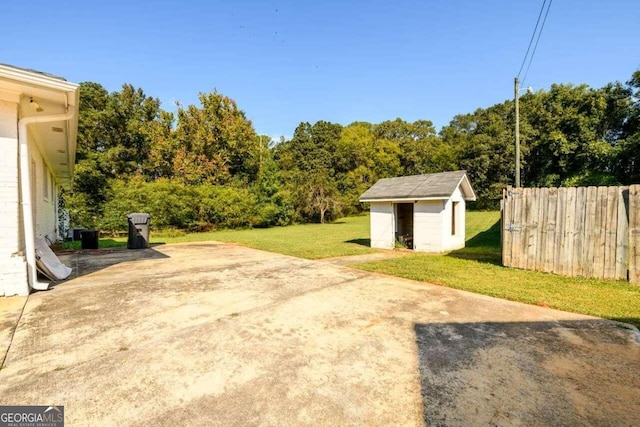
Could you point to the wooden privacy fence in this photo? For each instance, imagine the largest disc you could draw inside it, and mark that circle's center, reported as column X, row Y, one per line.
column 583, row 231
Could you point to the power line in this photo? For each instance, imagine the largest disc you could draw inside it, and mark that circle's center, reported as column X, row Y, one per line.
column 532, row 36
column 537, row 40
column 516, row 86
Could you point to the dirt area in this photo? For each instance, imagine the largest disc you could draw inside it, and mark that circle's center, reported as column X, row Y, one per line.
column 218, row 334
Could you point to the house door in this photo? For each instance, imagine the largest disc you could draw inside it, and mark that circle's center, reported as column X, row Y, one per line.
column 404, row 224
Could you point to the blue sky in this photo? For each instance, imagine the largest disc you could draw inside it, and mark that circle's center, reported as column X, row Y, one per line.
column 290, row 61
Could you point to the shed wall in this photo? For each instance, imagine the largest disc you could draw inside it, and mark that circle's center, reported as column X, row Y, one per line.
column 427, row 225
column 451, row 241
column 382, row 225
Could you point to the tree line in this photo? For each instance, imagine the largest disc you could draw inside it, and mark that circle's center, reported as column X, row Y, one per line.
column 205, row 166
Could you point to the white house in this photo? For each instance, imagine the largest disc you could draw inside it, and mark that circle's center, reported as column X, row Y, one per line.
column 38, row 127
column 424, row 212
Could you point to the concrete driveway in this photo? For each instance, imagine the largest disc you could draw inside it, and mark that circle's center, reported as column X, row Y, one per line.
column 217, row 334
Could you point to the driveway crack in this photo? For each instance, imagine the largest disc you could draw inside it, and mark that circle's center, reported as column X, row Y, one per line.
column 13, row 334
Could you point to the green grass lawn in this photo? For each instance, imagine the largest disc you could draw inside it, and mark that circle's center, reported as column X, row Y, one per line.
column 477, row 268
column 347, row 236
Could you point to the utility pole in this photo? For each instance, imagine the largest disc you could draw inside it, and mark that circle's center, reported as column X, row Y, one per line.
column 516, row 96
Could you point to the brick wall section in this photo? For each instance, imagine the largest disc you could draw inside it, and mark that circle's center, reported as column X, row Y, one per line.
column 13, row 272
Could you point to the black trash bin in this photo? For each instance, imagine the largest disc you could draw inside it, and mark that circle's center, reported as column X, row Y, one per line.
column 75, row 233
column 138, row 230
column 89, row 239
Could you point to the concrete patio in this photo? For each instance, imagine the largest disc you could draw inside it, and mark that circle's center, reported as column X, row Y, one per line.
column 218, row 334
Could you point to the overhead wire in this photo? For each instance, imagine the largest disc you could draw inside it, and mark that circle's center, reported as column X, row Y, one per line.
column 524, row 60
column 524, row 79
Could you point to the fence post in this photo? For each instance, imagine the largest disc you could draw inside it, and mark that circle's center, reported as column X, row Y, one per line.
column 610, row 239
column 579, row 239
column 622, row 234
column 634, row 234
column 507, row 206
column 550, row 245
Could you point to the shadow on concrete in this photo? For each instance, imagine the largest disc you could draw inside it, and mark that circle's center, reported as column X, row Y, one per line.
column 88, row 261
column 483, row 247
column 362, row 242
column 103, row 244
column 556, row 373
column 110, row 243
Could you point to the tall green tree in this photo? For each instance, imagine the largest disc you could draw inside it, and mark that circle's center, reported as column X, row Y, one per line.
column 362, row 159
column 418, row 142
column 113, row 142
column 628, row 160
column 216, row 142
column 309, row 162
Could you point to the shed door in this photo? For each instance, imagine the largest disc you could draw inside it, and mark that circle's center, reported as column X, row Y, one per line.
column 404, row 224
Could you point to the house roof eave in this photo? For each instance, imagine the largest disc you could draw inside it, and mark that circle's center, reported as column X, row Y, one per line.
column 36, row 78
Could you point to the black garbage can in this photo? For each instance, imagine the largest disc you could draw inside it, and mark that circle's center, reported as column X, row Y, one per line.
column 89, row 239
column 138, row 230
column 75, row 233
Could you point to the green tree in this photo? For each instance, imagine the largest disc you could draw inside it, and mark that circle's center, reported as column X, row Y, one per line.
column 215, row 142
column 418, row 142
column 482, row 144
column 628, row 159
column 309, row 162
column 362, row 159
column 575, row 131
column 163, row 149
column 113, row 142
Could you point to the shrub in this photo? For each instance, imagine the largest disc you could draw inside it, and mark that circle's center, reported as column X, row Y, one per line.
column 177, row 206
column 226, row 207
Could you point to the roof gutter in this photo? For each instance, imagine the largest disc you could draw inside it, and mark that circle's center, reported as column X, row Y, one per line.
column 37, row 78
column 25, row 191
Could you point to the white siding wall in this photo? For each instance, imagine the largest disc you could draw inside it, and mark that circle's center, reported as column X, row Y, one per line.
column 382, row 225
column 45, row 203
column 427, row 225
column 454, row 241
column 13, row 271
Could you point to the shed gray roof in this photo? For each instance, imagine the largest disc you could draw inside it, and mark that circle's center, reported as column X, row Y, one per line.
column 427, row 186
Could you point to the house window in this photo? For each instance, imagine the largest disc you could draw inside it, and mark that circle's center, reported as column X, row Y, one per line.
column 45, row 181
column 454, row 209
column 53, row 189
column 34, row 193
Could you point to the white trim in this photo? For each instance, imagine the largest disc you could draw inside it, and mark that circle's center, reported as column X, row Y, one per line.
column 472, row 198
column 26, row 190
column 38, row 79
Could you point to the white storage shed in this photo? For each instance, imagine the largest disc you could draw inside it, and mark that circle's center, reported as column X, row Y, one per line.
column 424, row 212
